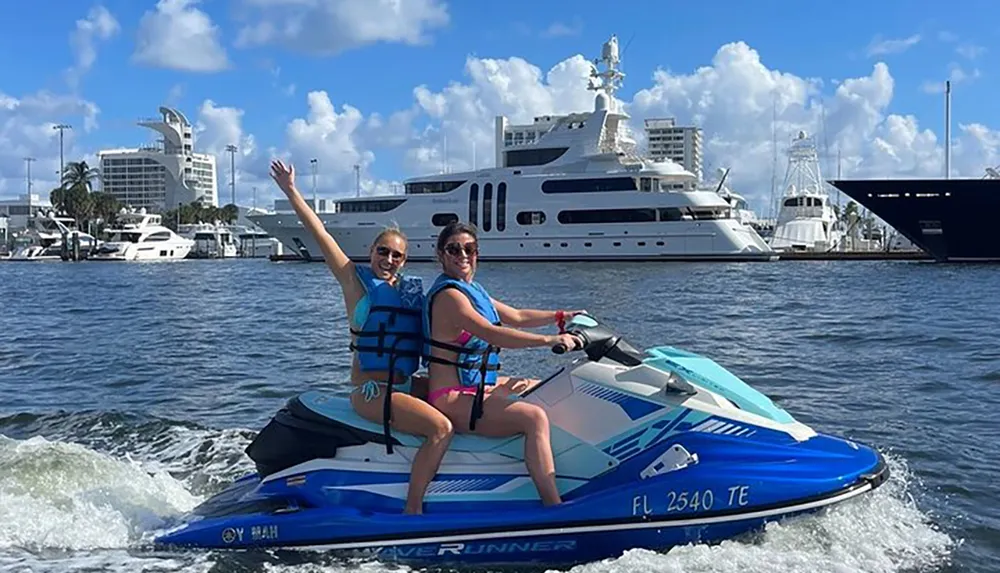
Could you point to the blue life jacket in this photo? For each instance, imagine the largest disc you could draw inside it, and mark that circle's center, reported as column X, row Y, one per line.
column 472, row 368
column 390, row 336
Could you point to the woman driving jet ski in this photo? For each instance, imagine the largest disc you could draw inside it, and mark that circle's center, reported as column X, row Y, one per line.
column 463, row 332
column 384, row 309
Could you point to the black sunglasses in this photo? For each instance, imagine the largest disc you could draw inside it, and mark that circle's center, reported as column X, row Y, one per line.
column 456, row 250
column 384, row 251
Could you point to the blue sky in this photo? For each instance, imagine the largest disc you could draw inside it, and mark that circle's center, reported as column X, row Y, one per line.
column 362, row 55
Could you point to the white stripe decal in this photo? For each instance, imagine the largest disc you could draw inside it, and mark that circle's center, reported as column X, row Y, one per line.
column 591, row 528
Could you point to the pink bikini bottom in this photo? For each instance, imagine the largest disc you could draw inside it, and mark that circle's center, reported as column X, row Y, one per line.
column 433, row 396
column 464, row 337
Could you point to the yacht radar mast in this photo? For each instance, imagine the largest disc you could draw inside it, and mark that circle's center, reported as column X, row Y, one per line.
column 611, row 78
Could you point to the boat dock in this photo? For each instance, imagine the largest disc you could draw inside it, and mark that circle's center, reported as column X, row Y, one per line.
column 855, row 256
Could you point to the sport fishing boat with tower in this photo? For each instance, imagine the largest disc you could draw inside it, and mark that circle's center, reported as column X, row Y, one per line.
column 564, row 187
column 806, row 220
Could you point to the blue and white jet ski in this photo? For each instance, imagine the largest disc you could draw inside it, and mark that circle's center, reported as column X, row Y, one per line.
column 652, row 450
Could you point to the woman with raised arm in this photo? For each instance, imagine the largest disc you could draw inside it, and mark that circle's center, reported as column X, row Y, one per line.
column 384, row 309
column 463, row 331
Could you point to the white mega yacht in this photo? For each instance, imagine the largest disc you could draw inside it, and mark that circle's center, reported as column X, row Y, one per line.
column 566, row 187
column 43, row 240
column 806, row 219
column 141, row 236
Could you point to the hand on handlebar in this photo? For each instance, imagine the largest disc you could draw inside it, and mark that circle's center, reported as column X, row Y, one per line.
column 566, row 341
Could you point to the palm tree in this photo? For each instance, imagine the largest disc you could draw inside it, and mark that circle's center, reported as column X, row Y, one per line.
column 79, row 173
column 58, row 199
column 105, row 207
column 229, row 213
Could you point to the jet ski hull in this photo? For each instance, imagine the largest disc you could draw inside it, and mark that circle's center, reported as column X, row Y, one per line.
column 655, row 514
column 652, row 449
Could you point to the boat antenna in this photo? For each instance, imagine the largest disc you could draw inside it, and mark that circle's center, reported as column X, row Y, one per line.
column 838, row 178
column 722, row 179
column 625, row 50
column 444, row 155
column 774, row 153
column 947, row 129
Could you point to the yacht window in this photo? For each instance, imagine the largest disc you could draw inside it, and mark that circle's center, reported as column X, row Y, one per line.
column 707, row 214
column 423, row 187
column 474, row 204
column 530, row 218
column 646, row 184
column 442, row 219
column 528, row 157
column 589, row 185
column 591, row 216
column 125, row 238
column 671, row 214
column 487, row 206
column 372, row 206
column 501, row 206
column 160, row 236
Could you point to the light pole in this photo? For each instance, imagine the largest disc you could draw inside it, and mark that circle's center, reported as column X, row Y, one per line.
column 357, row 180
column 315, row 169
column 232, row 169
column 61, row 127
column 253, row 236
column 27, row 164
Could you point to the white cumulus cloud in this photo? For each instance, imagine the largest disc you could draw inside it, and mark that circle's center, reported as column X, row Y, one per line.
column 328, row 27
column 99, row 24
column 177, row 35
column 26, row 130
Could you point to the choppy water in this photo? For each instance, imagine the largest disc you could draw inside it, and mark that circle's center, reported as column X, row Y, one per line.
column 128, row 392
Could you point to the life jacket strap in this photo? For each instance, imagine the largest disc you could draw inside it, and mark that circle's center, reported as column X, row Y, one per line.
column 477, row 402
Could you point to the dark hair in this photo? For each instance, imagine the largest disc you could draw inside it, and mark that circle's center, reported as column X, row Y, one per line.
column 452, row 229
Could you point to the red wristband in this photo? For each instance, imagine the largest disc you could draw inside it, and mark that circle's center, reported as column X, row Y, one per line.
column 561, row 320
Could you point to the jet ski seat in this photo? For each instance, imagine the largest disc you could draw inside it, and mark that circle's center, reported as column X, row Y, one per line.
column 315, row 425
column 338, row 411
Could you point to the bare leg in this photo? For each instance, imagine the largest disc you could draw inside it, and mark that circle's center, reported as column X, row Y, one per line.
column 501, row 418
column 414, row 416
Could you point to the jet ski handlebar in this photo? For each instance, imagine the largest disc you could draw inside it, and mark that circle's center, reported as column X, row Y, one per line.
column 561, row 348
column 599, row 341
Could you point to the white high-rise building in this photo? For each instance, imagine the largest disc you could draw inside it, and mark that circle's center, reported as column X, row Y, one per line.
column 680, row 144
column 18, row 212
column 162, row 176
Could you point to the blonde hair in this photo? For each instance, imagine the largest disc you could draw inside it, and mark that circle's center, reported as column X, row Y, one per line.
column 391, row 229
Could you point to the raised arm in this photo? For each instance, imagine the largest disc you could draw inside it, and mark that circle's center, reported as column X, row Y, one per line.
column 528, row 317
column 456, row 306
column 336, row 259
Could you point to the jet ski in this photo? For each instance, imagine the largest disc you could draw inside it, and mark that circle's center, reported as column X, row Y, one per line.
column 653, row 449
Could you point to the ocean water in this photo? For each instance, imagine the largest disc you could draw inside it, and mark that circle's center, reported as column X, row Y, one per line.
column 128, row 392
